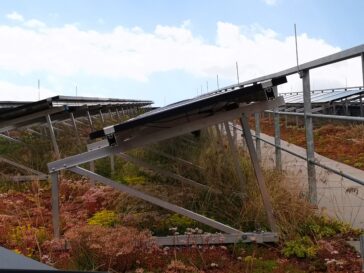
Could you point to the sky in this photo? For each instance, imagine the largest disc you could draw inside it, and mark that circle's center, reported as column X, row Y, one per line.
column 169, row 50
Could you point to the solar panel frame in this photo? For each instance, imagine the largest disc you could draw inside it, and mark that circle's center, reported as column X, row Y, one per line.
column 256, row 92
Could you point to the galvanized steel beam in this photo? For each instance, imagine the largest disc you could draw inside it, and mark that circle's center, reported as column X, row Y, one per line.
column 156, row 201
column 258, row 173
column 310, row 149
column 53, row 137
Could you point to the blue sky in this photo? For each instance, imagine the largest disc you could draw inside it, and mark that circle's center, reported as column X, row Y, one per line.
column 167, row 50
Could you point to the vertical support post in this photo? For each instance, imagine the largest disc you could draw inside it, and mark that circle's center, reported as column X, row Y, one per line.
column 362, row 249
column 277, row 135
column 235, row 135
column 102, row 118
column 257, row 134
column 118, row 114
column 110, row 114
column 258, row 173
column 75, row 128
column 362, row 67
column 55, row 205
column 53, row 137
column 310, row 149
column 361, row 106
column 234, row 152
column 90, row 120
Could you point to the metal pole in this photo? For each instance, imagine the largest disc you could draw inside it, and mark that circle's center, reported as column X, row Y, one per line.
column 362, row 66
column 361, row 106
column 310, row 149
column 258, row 173
column 53, row 137
column 362, row 249
column 75, row 127
column 277, row 134
column 110, row 114
column 117, row 113
column 102, row 118
column 123, row 112
column 257, row 134
column 90, row 120
column 234, row 153
column 235, row 135
column 55, row 205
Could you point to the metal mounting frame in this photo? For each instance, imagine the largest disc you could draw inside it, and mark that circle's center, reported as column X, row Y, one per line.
column 100, row 150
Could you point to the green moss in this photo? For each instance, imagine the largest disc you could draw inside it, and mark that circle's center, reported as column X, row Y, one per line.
column 105, row 218
column 325, row 227
column 134, row 180
column 300, row 248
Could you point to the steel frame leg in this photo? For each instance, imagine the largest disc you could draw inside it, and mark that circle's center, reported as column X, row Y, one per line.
column 90, row 120
column 55, row 205
column 75, row 127
column 310, row 149
column 53, row 137
column 102, row 118
column 117, row 114
column 257, row 134
column 258, row 173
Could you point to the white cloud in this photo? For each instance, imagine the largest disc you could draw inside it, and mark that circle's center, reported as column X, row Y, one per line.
column 33, row 23
column 270, row 2
column 136, row 54
column 10, row 91
column 15, row 16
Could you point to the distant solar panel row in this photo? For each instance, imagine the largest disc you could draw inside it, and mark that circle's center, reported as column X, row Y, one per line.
column 17, row 114
column 324, row 96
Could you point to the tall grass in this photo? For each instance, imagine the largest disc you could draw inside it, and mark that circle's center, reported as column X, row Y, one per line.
column 224, row 201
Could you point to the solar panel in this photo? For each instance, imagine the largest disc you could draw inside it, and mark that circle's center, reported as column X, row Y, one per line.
column 187, row 110
column 59, row 107
column 324, row 96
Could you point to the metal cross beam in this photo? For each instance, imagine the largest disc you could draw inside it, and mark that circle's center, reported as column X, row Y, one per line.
column 21, row 166
column 156, row 201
